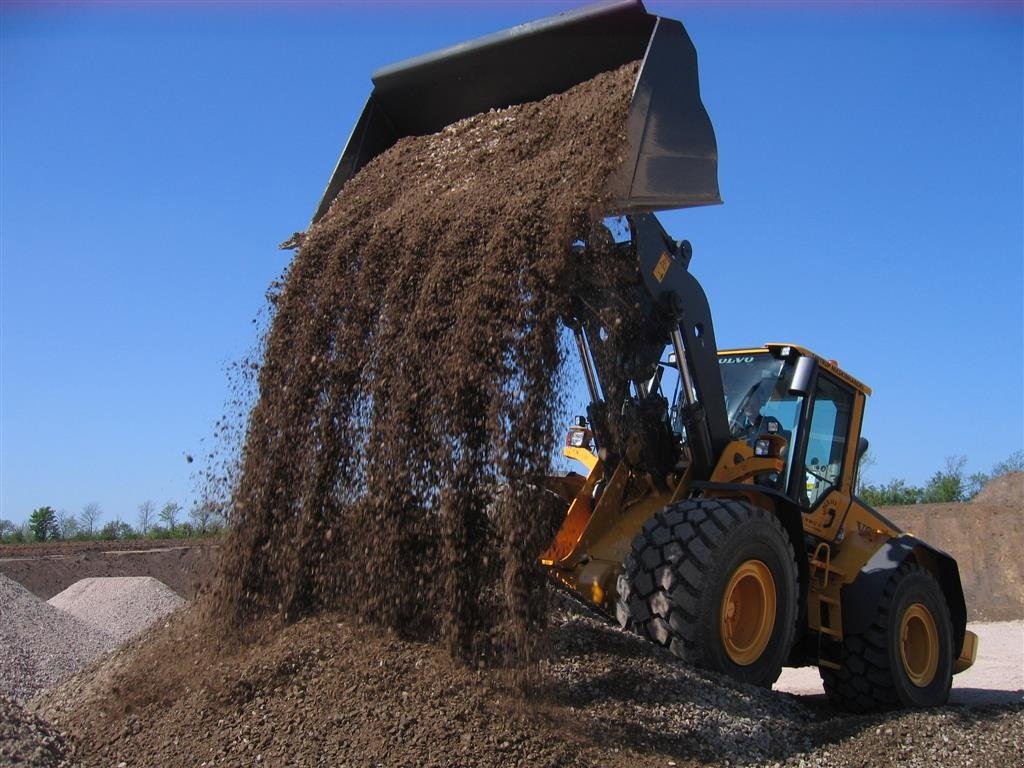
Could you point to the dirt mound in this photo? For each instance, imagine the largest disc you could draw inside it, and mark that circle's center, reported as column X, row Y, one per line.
column 46, row 569
column 73, row 547
column 25, row 739
column 326, row 691
column 1003, row 491
column 120, row 606
column 412, row 366
column 984, row 536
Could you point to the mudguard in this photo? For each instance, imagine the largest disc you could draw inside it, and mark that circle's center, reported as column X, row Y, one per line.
column 860, row 598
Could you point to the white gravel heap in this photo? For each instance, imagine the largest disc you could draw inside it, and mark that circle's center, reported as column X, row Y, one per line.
column 41, row 645
column 121, row 606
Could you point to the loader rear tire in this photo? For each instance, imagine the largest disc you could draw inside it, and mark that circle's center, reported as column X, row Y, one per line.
column 905, row 658
column 714, row 581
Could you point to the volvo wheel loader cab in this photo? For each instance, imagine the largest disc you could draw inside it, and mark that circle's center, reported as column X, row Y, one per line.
column 717, row 514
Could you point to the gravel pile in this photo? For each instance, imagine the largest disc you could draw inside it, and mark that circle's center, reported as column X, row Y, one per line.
column 991, row 736
column 328, row 691
column 617, row 681
column 41, row 645
column 27, row 740
column 120, row 606
column 414, row 363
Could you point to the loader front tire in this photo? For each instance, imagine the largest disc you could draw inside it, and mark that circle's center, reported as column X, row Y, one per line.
column 905, row 658
column 715, row 582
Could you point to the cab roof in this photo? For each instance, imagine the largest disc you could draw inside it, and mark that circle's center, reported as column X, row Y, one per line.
column 777, row 348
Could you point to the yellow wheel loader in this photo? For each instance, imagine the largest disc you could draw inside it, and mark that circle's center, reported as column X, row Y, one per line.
column 715, row 514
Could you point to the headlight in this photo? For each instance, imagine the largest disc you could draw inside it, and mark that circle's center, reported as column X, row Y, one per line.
column 762, row 447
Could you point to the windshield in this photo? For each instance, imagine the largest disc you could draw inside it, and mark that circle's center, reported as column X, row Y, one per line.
column 756, row 388
column 756, row 385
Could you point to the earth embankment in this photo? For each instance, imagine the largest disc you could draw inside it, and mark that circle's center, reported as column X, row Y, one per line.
column 985, row 536
column 46, row 569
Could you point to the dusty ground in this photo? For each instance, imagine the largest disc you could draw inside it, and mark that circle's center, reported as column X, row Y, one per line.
column 328, row 692
column 997, row 677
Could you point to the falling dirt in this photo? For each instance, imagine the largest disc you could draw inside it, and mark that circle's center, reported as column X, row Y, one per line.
column 413, row 367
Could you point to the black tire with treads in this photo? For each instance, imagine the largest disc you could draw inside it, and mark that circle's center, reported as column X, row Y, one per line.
column 873, row 676
column 673, row 582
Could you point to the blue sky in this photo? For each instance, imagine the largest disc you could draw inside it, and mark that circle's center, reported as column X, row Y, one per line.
column 152, row 157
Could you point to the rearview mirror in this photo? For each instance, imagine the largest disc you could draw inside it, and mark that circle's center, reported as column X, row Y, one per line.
column 802, row 376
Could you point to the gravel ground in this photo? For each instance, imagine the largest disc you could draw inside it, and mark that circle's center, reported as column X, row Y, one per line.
column 27, row 740
column 120, row 606
column 983, row 737
column 997, row 676
column 41, row 645
column 327, row 692
column 615, row 680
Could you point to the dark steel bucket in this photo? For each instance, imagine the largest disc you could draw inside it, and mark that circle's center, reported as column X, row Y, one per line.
column 671, row 160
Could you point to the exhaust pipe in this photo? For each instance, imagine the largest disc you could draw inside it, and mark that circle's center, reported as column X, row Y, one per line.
column 670, row 159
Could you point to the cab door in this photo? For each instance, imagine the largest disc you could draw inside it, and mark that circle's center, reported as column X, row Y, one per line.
column 822, row 484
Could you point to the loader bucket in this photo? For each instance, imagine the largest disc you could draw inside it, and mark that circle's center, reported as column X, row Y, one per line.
column 670, row 159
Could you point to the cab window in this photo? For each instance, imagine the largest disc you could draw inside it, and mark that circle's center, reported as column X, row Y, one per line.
column 826, row 442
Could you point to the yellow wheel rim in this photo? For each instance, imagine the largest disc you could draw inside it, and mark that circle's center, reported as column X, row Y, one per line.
column 748, row 612
column 919, row 645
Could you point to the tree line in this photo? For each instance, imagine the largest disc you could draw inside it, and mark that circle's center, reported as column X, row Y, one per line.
column 168, row 522
column 947, row 485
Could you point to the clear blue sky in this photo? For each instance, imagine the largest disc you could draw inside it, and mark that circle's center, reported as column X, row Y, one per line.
column 153, row 157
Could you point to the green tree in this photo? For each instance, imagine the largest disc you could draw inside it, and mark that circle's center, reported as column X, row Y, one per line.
column 67, row 524
column 116, row 530
column 206, row 517
column 894, row 493
column 43, row 523
column 169, row 515
column 7, row 529
column 947, row 486
column 974, row 484
column 20, row 534
column 147, row 511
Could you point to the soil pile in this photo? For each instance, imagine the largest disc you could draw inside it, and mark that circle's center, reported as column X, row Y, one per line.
column 25, row 739
column 1003, row 491
column 327, row 691
column 412, row 366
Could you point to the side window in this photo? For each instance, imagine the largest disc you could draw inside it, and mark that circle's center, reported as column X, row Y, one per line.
column 826, row 443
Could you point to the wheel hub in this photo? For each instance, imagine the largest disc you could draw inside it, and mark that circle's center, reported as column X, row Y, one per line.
column 919, row 645
column 748, row 612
